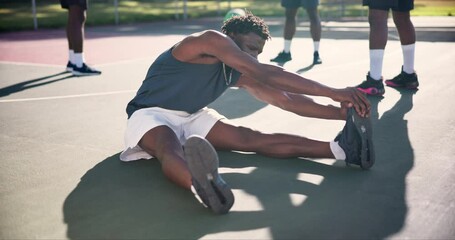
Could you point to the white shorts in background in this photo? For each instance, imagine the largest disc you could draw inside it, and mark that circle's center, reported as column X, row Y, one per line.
column 182, row 123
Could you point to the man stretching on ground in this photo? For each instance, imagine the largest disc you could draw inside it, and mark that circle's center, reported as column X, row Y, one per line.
column 169, row 118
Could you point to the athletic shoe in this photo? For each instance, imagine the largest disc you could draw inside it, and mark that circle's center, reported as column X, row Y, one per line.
column 85, row 70
column 282, row 57
column 69, row 66
column 404, row 80
column 372, row 87
column 356, row 140
column 202, row 162
column 316, row 58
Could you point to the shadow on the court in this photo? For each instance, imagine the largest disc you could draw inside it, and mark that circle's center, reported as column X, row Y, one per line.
column 237, row 103
column 352, row 203
column 300, row 71
column 18, row 87
column 305, row 69
column 134, row 200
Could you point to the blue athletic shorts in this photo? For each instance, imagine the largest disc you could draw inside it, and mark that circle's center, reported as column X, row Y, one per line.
column 394, row 5
column 67, row 3
column 300, row 3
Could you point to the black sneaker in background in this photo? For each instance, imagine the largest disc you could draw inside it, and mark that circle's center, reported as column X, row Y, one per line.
column 316, row 58
column 372, row 87
column 69, row 66
column 404, row 80
column 203, row 163
column 85, row 70
column 282, row 57
column 356, row 140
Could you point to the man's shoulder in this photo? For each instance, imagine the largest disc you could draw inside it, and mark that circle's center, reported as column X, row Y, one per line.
column 209, row 34
column 196, row 47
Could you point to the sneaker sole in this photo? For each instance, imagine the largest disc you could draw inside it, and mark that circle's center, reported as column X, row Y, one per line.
column 363, row 127
column 372, row 91
column 203, row 164
column 84, row 74
column 410, row 86
column 280, row 61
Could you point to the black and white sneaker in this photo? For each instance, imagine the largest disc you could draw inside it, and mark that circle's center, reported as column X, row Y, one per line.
column 282, row 57
column 356, row 140
column 70, row 66
column 85, row 70
column 203, row 164
column 316, row 58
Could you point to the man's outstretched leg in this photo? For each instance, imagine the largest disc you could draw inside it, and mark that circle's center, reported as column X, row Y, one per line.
column 354, row 144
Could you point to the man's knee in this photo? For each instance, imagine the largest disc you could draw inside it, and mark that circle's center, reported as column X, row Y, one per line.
column 159, row 141
column 401, row 19
column 313, row 15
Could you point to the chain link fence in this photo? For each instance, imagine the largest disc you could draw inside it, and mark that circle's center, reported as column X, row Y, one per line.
column 48, row 13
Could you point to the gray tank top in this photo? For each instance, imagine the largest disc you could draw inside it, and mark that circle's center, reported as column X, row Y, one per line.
column 176, row 85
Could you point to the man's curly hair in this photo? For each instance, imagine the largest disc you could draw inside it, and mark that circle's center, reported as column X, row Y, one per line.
column 246, row 24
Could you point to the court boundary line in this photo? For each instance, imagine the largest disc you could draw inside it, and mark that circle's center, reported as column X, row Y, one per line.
column 67, row 96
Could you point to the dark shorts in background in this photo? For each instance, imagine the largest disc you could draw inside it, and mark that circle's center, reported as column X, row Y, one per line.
column 67, row 3
column 395, row 5
column 300, row 3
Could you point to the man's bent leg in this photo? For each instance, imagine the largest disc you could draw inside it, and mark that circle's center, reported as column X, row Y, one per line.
column 162, row 143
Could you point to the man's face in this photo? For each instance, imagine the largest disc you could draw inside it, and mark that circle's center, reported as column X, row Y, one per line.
column 250, row 43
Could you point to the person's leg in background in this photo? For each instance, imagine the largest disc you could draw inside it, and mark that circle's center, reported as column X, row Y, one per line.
column 315, row 30
column 408, row 77
column 75, row 31
column 288, row 33
column 377, row 19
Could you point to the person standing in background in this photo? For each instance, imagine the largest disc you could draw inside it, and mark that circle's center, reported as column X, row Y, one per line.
column 75, row 35
column 291, row 9
column 377, row 16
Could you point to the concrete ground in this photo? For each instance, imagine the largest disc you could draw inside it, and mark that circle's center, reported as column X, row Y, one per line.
column 60, row 138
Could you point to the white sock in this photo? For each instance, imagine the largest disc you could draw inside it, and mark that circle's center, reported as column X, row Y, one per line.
column 71, row 56
column 376, row 57
column 316, row 46
column 78, row 59
column 337, row 151
column 287, row 45
column 408, row 57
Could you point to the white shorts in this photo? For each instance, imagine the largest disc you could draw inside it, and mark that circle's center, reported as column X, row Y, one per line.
column 182, row 123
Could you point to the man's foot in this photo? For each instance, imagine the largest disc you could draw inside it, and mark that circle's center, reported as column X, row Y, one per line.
column 202, row 162
column 356, row 140
column 316, row 58
column 69, row 66
column 282, row 57
column 404, row 80
column 85, row 70
column 372, row 87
